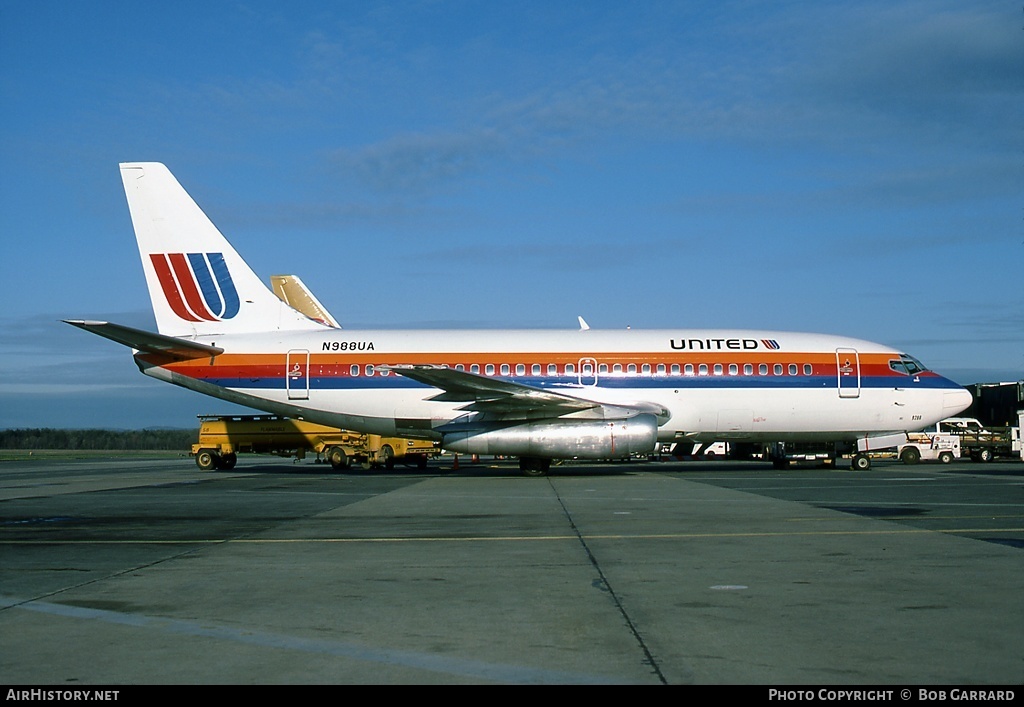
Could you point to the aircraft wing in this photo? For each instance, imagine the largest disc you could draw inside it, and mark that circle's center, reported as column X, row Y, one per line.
column 495, row 395
column 486, row 394
column 147, row 341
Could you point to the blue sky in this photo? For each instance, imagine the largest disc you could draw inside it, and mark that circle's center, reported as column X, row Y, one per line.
column 850, row 167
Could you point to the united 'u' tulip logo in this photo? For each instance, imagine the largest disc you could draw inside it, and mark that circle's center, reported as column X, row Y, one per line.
column 198, row 286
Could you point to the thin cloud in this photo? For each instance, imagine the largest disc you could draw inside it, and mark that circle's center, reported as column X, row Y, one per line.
column 416, row 161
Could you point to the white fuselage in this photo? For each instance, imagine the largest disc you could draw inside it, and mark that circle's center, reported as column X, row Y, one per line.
column 711, row 385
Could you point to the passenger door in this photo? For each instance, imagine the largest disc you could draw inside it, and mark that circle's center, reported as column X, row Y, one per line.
column 848, row 372
column 296, row 375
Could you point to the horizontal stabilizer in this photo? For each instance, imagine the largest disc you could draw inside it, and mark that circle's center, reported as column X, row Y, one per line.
column 147, row 341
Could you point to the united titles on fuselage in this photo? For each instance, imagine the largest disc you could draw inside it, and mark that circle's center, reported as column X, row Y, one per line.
column 721, row 344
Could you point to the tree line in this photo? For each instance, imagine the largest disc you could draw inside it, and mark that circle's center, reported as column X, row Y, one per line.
column 48, row 438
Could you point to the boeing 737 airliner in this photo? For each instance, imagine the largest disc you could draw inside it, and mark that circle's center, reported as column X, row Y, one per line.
column 538, row 395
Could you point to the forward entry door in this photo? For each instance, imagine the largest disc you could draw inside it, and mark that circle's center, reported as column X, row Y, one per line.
column 848, row 373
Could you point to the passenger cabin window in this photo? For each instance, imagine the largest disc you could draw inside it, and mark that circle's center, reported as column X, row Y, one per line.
column 489, row 369
column 520, row 369
column 474, row 368
column 675, row 369
column 369, row 369
column 661, row 369
column 631, row 368
column 762, row 369
column 535, row 369
column 718, row 369
column 792, row 369
column 778, row 369
column 353, row 370
column 570, row 368
column 733, row 369
column 688, row 369
column 748, row 369
column 505, row 369
column 808, row 369
column 702, row 370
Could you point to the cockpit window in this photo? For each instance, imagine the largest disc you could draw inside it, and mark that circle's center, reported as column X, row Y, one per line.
column 907, row 365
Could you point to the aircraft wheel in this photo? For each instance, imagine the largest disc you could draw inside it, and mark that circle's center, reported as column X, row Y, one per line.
column 534, row 466
column 911, row 455
column 337, row 457
column 945, row 457
column 861, row 462
column 206, row 459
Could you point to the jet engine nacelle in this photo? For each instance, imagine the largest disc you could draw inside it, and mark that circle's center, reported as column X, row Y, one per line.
column 562, row 439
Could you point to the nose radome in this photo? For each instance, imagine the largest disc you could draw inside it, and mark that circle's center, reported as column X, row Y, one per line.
column 955, row 401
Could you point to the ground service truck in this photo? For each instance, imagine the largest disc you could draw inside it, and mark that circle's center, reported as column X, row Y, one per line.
column 984, row 443
column 222, row 437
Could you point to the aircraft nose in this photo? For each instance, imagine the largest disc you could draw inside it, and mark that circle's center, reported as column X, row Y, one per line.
column 955, row 401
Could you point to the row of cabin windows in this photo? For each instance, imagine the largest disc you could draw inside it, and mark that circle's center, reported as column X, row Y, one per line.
column 587, row 369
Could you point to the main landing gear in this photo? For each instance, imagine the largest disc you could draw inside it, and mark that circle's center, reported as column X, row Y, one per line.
column 534, row 466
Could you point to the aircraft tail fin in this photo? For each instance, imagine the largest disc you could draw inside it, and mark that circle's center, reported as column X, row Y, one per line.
column 291, row 290
column 198, row 283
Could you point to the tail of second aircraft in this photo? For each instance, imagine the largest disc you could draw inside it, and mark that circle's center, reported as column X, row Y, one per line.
column 198, row 283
